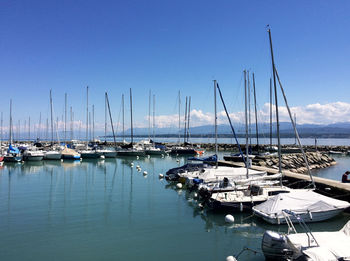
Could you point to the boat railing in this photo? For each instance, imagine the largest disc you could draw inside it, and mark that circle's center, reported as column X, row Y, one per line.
column 287, row 214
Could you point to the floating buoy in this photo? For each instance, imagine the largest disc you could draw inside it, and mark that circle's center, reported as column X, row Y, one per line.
column 177, row 160
column 229, row 219
column 241, row 207
column 61, row 160
column 148, row 156
column 145, row 173
column 200, row 205
column 195, row 195
column 132, row 164
column 231, row 258
column 137, row 157
column 102, row 156
column 161, row 176
column 137, row 166
column 179, row 185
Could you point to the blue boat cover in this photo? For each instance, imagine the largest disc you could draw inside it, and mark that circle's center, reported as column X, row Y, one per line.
column 12, row 150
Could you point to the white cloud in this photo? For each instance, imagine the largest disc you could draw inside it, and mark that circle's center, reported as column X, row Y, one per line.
column 311, row 114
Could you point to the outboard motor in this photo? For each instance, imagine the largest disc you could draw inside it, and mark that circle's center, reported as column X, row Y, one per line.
column 225, row 182
column 275, row 246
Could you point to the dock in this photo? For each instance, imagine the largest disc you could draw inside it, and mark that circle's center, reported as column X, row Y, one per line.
column 328, row 187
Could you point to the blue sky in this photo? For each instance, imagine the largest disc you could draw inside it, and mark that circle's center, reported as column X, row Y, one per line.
column 168, row 46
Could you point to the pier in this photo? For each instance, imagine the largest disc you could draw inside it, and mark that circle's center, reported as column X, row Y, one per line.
column 328, row 187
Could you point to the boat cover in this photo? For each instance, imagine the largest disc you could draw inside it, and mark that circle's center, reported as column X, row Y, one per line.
column 331, row 245
column 299, row 202
column 12, row 150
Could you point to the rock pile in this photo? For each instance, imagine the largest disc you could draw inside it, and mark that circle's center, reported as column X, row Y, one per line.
column 295, row 162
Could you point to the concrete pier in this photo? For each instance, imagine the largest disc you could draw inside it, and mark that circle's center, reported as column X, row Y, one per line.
column 328, row 187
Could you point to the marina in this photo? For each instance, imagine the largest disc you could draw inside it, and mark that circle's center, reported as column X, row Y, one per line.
column 101, row 203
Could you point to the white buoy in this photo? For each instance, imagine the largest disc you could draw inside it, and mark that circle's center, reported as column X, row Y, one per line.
column 195, row 195
column 137, row 166
column 229, row 219
column 231, row 258
column 137, row 157
column 145, row 173
column 102, row 156
column 177, row 160
column 132, row 164
column 200, row 205
column 179, row 185
column 161, row 176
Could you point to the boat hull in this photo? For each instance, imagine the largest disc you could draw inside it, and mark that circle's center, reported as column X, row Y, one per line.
column 12, row 158
column 70, row 157
column 183, row 152
column 55, row 156
column 90, row 155
column 131, row 153
column 109, row 154
column 33, row 158
column 314, row 217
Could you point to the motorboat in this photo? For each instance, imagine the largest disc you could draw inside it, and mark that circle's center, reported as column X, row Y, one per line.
column 322, row 246
column 174, row 173
column 245, row 199
column 311, row 206
column 107, row 152
column 52, row 155
column 90, row 154
column 33, row 155
column 70, row 154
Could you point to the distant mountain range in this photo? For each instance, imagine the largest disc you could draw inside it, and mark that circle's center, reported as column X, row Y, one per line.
column 336, row 130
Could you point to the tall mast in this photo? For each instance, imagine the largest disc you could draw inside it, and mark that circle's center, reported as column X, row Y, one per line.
column 179, row 116
column 249, row 118
column 216, row 124
column 90, row 126
column 123, row 117
column 276, row 105
column 110, row 116
column 19, row 130
column 149, row 115
column 51, row 117
column 47, row 129
column 105, row 117
column 246, row 123
column 87, row 116
column 93, row 122
column 39, row 128
column 10, row 138
column 270, row 113
column 188, row 117
column 71, row 123
column 132, row 131
column 185, row 129
column 154, row 118
column 28, row 127
column 65, row 117
column 256, row 115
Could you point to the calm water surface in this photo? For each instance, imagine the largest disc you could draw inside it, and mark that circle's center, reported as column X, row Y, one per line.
column 106, row 210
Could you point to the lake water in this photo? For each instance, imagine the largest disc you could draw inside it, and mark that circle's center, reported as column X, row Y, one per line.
column 106, row 210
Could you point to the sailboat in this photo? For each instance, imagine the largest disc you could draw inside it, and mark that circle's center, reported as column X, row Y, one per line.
column 13, row 154
column 186, row 149
column 131, row 149
column 52, row 154
column 88, row 154
column 152, row 149
column 108, row 152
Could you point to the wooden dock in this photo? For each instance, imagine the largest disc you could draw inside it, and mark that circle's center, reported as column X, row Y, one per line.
column 327, row 187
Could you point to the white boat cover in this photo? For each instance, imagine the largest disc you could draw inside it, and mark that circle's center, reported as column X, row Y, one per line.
column 331, row 245
column 299, row 201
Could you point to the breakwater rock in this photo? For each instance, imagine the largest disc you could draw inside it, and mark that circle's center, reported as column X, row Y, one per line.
column 295, row 162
